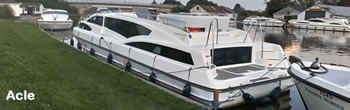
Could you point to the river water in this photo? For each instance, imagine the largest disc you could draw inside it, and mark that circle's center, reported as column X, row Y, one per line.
column 330, row 47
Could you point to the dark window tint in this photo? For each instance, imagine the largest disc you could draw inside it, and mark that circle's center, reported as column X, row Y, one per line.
column 126, row 28
column 96, row 20
column 303, row 22
column 84, row 26
column 168, row 52
column 320, row 21
column 235, row 55
column 335, row 23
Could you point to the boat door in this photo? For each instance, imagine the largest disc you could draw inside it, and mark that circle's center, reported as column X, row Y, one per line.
column 30, row 10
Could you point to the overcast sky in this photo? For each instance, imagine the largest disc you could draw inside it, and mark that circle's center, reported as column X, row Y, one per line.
column 247, row 4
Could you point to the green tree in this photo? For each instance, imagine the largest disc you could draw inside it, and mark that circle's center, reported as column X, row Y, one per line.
column 172, row 2
column 273, row 6
column 344, row 3
column 237, row 7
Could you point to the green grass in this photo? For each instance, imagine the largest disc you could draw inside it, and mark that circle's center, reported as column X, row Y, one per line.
column 64, row 79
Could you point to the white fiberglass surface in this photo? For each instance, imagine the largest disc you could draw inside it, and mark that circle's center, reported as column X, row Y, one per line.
column 336, row 76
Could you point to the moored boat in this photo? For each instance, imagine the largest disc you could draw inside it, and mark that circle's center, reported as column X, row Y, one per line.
column 321, row 86
column 55, row 19
column 326, row 24
column 200, row 57
column 263, row 21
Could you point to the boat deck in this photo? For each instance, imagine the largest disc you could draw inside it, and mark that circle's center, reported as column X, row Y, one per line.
column 338, row 77
column 234, row 72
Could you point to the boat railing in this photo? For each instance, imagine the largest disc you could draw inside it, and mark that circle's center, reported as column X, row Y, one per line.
column 262, row 39
column 213, row 37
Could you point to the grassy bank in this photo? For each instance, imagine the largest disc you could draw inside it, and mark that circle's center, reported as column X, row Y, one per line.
column 6, row 12
column 64, row 79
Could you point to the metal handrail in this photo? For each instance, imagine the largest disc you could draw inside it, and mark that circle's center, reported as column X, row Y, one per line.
column 217, row 37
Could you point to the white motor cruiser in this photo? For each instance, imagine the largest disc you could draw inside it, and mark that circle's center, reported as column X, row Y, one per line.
column 200, row 57
column 326, row 24
column 55, row 19
column 263, row 21
column 321, row 86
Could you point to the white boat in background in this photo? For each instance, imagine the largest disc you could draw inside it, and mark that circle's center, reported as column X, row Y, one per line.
column 321, row 86
column 200, row 57
column 326, row 24
column 263, row 21
column 55, row 19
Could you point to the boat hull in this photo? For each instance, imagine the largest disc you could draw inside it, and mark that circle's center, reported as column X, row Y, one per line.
column 316, row 97
column 55, row 25
column 214, row 98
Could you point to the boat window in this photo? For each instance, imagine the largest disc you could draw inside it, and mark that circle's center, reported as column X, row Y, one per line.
column 303, row 22
column 96, row 20
column 262, row 20
column 164, row 51
column 335, row 23
column 346, row 23
column 84, row 26
column 320, row 21
column 55, row 12
column 126, row 28
column 235, row 55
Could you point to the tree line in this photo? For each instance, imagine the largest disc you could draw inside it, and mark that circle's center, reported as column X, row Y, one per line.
column 272, row 6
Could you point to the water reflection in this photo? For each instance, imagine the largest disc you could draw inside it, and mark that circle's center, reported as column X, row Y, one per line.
column 281, row 103
column 330, row 47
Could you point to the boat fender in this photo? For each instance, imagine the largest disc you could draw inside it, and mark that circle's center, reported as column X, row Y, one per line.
column 247, row 97
column 275, row 93
column 92, row 52
column 215, row 104
column 110, row 58
column 264, row 101
column 128, row 66
column 79, row 46
column 152, row 77
column 71, row 42
column 187, row 90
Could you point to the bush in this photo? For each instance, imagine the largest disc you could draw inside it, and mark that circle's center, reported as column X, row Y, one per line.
column 6, row 12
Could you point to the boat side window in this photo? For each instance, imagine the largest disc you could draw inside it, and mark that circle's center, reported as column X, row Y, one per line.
column 126, row 28
column 234, row 55
column 320, row 21
column 84, row 26
column 164, row 51
column 96, row 20
column 335, row 23
column 303, row 22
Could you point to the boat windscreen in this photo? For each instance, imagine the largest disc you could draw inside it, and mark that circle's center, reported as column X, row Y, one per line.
column 233, row 55
column 55, row 12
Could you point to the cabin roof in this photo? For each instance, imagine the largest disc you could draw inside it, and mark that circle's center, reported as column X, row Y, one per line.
column 336, row 10
column 283, row 11
column 216, row 9
column 25, row 4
